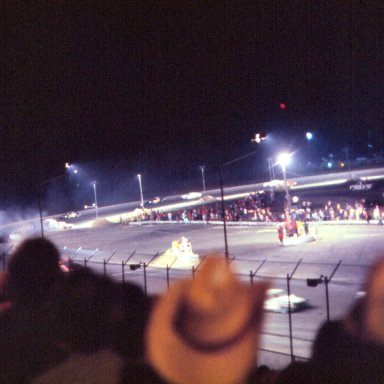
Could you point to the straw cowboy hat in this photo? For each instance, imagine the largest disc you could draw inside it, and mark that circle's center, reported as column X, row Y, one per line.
column 205, row 329
column 373, row 310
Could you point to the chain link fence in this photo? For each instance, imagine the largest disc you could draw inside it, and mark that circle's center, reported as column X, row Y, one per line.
column 290, row 276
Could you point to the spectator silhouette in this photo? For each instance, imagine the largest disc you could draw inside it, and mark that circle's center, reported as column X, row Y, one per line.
column 262, row 375
column 351, row 349
column 82, row 311
column 27, row 330
column 101, row 325
column 4, row 291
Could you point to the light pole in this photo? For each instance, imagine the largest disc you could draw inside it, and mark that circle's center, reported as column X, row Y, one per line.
column 309, row 137
column 141, row 191
column 202, row 168
column 271, row 170
column 283, row 159
column 95, row 195
column 67, row 166
column 346, row 150
column 222, row 197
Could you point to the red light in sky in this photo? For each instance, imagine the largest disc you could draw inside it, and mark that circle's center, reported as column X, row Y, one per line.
column 282, row 106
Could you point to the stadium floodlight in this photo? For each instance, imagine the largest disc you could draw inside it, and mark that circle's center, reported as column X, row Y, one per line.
column 259, row 137
column 72, row 167
column 284, row 159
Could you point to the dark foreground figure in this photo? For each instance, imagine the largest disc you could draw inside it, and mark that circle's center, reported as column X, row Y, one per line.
column 78, row 327
column 75, row 327
column 349, row 350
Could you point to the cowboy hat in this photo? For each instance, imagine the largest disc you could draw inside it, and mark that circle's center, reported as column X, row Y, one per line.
column 205, row 329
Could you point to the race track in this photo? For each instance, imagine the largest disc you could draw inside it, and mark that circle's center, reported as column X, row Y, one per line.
column 347, row 250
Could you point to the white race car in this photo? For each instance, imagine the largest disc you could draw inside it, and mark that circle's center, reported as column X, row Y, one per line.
column 70, row 215
column 277, row 301
column 192, row 195
column 52, row 224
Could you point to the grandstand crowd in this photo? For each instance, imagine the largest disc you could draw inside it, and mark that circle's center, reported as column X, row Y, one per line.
column 249, row 209
column 74, row 326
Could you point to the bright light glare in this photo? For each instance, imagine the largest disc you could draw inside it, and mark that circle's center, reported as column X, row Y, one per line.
column 373, row 177
column 71, row 167
column 90, row 206
column 284, row 159
column 320, row 184
column 309, row 135
column 259, row 137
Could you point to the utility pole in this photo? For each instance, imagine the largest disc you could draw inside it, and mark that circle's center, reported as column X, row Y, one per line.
column 202, row 168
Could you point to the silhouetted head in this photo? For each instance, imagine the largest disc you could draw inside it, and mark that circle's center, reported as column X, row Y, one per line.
column 33, row 270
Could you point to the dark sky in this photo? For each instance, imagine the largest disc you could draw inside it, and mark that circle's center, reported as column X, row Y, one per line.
column 162, row 87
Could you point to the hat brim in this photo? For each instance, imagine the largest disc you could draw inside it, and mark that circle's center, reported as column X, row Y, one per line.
column 179, row 362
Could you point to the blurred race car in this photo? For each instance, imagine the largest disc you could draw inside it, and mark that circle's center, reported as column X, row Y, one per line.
column 277, row 301
column 52, row 224
column 279, row 184
column 68, row 265
column 192, row 195
column 70, row 215
column 152, row 203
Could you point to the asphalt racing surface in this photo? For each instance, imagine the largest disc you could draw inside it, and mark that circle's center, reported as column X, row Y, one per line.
column 342, row 252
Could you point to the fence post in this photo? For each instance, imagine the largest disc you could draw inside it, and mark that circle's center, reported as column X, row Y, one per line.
column 290, row 318
column 145, row 278
column 145, row 265
column 327, row 295
column 327, row 281
column 289, row 277
column 253, row 274
column 6, row 257
column 168, row 276
column 105, row 262
column 124, row 263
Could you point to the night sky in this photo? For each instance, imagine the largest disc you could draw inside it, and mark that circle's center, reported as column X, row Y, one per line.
column 163, row 87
